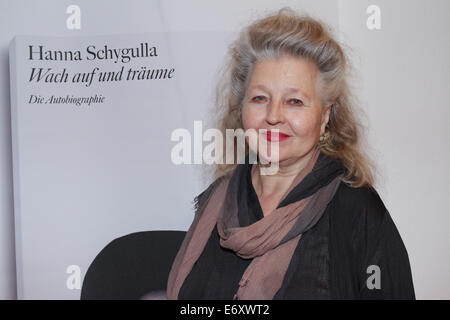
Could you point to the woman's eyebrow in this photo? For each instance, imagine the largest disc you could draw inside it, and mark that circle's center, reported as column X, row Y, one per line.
column 259, row 86
column 295, row 90
column 286, row 91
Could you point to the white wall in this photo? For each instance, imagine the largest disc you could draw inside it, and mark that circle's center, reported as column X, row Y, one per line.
column 404, row 72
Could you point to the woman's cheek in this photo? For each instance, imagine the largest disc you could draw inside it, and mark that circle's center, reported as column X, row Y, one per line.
column 250, row 117
column 304, row 126
column 246, row 117
column 300, row 127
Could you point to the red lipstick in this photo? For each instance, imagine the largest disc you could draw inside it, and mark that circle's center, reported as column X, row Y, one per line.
column 272, row 136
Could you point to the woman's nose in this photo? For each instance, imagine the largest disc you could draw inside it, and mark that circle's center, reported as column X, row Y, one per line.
column 275, row 113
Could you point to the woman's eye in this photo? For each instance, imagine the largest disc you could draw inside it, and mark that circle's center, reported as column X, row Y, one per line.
column 296, row 102
column 259, row 99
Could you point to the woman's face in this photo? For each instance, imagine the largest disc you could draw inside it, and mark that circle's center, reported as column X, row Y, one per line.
column 282, row 94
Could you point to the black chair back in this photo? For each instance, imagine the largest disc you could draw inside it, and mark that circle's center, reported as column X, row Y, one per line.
column 131, row 266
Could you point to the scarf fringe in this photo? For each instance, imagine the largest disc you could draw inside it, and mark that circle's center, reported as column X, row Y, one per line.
column 201, row 200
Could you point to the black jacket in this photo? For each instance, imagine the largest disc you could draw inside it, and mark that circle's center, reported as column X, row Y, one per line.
column 353, row 252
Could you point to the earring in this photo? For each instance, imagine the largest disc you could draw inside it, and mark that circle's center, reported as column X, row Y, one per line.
column 323, row 138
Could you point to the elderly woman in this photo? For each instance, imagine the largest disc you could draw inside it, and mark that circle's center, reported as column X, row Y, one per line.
column 316, row 229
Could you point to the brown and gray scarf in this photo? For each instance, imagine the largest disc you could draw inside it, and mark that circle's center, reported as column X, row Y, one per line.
column 270, row 241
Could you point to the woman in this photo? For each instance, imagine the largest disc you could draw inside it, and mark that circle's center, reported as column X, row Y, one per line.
column 316, row 229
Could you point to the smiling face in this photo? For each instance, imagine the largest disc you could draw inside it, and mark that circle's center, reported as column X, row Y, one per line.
column 283, row 94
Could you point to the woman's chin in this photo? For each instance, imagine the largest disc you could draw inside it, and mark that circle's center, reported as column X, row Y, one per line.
column 273, row 158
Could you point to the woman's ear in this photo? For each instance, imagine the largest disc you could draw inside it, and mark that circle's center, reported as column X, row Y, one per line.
column 325, row 118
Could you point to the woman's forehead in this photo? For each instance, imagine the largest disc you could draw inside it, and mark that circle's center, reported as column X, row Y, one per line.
column 294, row 75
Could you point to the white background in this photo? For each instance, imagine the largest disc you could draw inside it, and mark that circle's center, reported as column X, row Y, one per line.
column 402, row 84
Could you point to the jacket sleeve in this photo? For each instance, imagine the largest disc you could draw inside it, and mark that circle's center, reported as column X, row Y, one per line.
column 385, row 271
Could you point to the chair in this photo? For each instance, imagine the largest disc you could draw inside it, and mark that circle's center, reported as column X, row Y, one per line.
column 132, row 266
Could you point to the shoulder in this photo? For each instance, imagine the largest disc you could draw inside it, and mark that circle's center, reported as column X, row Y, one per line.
column 357, row 205
column 361, row 219
column 202, row 198
column 362, row 229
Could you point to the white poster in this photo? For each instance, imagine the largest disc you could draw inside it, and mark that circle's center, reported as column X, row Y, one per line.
column 92, row 119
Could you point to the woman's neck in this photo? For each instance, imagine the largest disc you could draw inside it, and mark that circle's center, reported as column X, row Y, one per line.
column 278, row 183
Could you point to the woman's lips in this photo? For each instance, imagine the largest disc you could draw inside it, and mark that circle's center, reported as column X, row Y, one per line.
column 272, row 136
